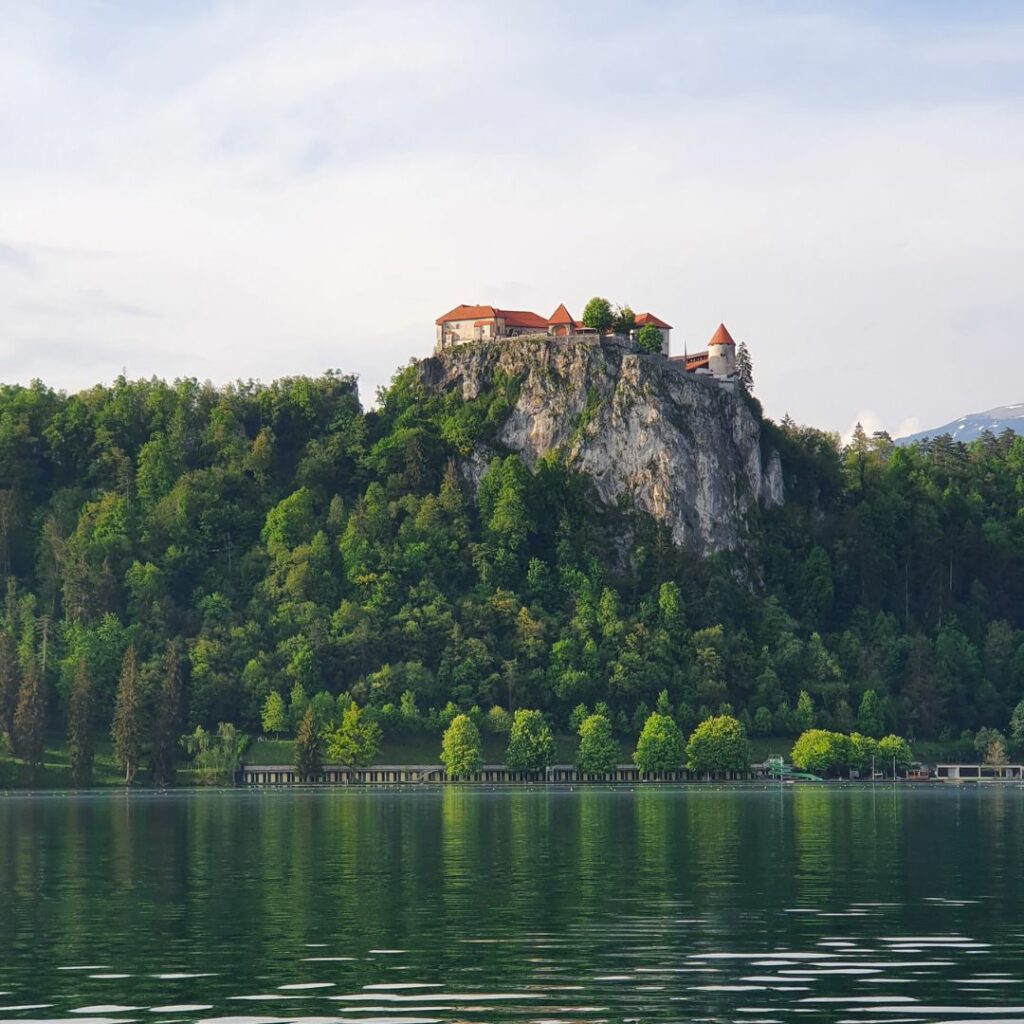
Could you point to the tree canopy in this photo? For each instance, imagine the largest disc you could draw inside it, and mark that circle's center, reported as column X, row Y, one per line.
column 660, row 746
column 599, row 315
column 288, row 541
column 718, row 744
column 598, row 752
column 531, row 747
column 461, row 752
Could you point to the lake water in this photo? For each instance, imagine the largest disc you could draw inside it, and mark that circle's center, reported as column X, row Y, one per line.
column 451, row 904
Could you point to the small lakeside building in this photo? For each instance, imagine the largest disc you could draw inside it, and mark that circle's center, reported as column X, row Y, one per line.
column 980, row 772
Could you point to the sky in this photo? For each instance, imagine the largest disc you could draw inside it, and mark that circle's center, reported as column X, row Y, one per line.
column 231, row 190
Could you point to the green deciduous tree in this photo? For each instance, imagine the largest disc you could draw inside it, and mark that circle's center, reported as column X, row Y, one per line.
column 660, row 746
column 624, row 320
column 897, row 747
column 461, row 752
column 81, row 727
column 127, row 727
column 598, row 752
column 819, row 751
column 988, row 741
column 218, row 754
column 273, row 716
column 648, row 339
column 531, row 747
column 718, row 744
column 597, row 314
column 356, row 740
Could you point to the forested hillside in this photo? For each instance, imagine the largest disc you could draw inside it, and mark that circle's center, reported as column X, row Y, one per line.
column 282, row 535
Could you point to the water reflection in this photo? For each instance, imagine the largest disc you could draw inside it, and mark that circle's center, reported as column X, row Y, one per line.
column 459, row 904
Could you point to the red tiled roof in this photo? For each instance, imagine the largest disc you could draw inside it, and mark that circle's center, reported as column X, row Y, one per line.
column 522, row 318
column 512, row 317
column 650, row 318
column 692, row 361
column 721, row 337
column 465, row 312
column 561, row 316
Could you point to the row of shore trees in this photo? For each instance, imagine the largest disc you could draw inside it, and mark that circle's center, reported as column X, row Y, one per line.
column 145, row 725
column 824, row 752
column 718, row 744
column 147, row 714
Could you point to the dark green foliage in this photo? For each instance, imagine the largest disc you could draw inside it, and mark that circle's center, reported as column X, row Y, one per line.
column 81, row 728
column 10, row 681
column 30, row 719
column 624, row 321
column 291, row 543
column 167, row 716
column 309, row 746
column 598, row 752
column 660, row 746
column 126, row 728
column 598, row 314
column 648, row 339
column 531, row 747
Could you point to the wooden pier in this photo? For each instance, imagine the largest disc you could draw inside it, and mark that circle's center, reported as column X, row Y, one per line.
column 489, row 774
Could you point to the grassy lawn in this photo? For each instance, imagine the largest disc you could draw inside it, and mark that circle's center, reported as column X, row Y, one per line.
column 55, row 772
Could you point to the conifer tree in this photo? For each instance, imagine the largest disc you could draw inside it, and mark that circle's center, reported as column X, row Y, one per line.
column 167, row 716
column 870, row 720
column 10, row 682
column 81, row 735
column 30, row 720
column 297, row 705
column 126, row 729
column 309, row 753
column 745, row 368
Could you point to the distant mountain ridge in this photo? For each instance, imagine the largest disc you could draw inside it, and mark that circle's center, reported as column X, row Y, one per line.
column 973, row 425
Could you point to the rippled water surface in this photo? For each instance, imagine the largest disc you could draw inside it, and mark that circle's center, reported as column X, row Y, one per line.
column 541, row 905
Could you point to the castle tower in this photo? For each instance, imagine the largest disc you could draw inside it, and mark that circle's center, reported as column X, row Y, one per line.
column 722, row 353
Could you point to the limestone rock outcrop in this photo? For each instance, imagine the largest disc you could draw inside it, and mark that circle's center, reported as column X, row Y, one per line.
column 681, row 447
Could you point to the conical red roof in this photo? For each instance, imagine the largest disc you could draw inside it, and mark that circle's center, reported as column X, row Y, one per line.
column 561, row 316
column 721, row 337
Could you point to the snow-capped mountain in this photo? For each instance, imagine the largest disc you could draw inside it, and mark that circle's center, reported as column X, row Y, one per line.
column 968, row 427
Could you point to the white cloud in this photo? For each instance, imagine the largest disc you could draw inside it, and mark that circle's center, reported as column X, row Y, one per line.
column 246, row 191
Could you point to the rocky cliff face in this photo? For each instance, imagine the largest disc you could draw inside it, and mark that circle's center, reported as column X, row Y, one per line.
column 680, row 447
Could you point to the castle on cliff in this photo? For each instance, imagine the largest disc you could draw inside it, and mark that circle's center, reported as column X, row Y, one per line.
column 464, row 324
column 468, row 323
